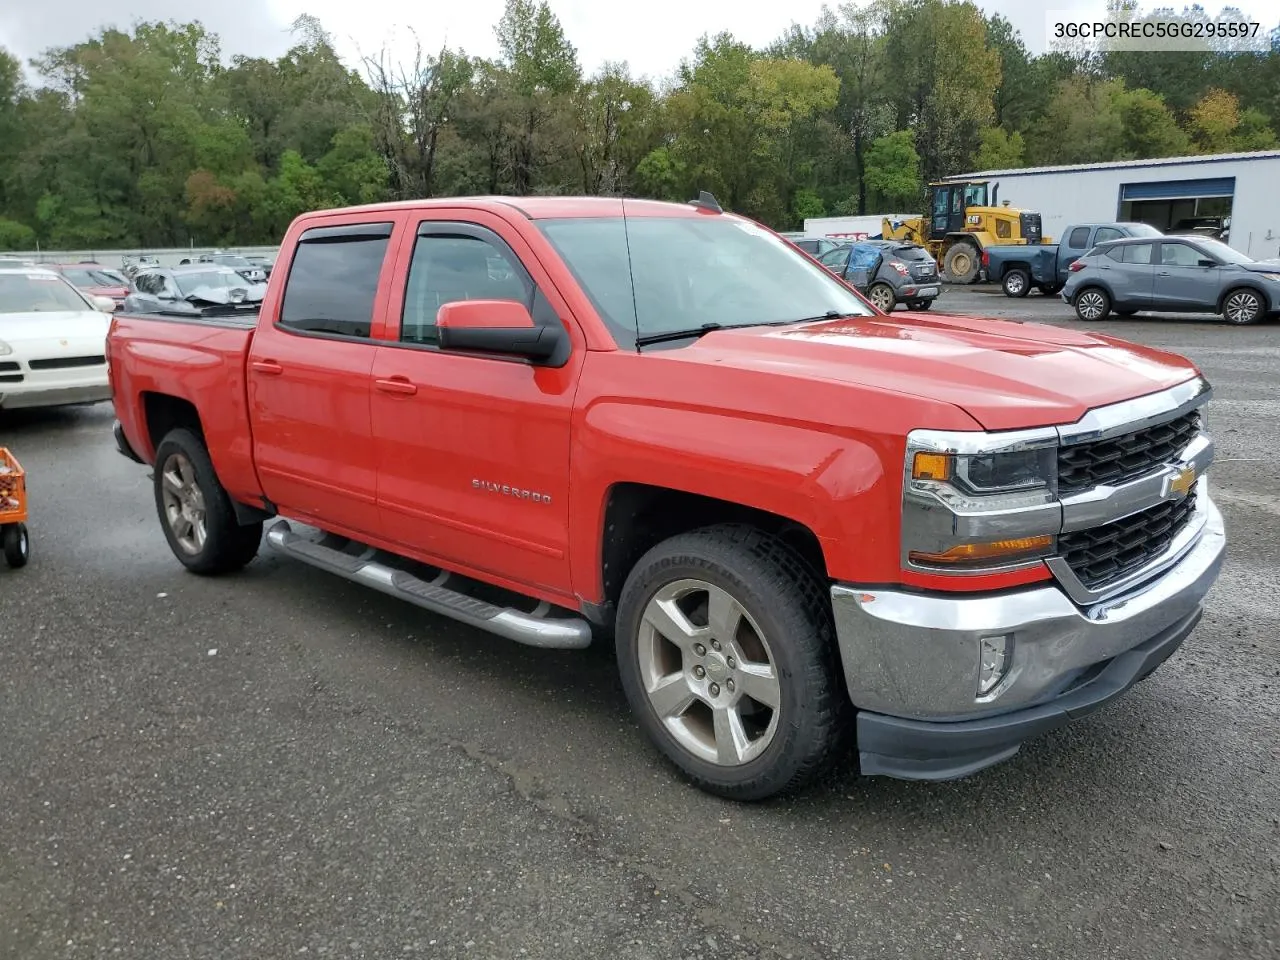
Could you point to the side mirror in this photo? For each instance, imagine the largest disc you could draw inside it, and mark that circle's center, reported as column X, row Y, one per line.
column 1204, row 262
column 105, row 304
column 496, row 326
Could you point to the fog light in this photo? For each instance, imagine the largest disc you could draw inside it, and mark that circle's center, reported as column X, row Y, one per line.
column 993, row 662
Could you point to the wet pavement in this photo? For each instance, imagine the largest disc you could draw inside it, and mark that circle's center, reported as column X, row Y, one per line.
column 281, row 764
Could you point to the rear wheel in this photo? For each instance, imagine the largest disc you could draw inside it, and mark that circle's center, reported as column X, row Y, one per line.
column 16, row 544
column 726, row 651
column 882, row 295
column 1017, row 283
column 1092, row 304
column 1242, row 306
column 961, row 263
column 919, row 304
column 195, row 511
column 1050, row 289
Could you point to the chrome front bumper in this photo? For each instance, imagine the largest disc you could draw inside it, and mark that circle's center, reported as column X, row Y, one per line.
column 916, row 656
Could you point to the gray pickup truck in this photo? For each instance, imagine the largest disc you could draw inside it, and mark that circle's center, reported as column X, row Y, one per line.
column 1020, row 267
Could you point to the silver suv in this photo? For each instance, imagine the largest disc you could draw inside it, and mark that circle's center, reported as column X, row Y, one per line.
column 1183, row 274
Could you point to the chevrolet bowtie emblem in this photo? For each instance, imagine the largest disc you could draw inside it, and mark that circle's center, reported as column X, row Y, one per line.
column 1182, row 481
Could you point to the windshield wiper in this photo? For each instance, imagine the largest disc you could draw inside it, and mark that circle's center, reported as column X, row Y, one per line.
column 677, row 334
column 829, row 315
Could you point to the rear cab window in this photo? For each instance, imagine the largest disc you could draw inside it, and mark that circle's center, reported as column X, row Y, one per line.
column 333, row 279
column 1079, row 238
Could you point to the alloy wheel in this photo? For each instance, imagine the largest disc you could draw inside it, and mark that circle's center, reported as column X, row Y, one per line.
column 184, row 507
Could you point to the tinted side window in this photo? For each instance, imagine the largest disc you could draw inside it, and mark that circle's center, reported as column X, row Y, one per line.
column 834, row 258
column 1137, row 253
column 1107, row 233
column 1079, row 237
column 1115, row 253
column 449, row 268
column 1179, row 255
column 334, row 278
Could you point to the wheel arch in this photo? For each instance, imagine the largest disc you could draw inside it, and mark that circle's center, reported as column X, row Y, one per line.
column 1249, row 285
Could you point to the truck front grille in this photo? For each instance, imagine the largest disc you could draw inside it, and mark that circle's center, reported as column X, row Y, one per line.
column 1103, row 555
column 1083, row 466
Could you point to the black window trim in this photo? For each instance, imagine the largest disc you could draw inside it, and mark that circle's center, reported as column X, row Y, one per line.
column 475, row 231
column 340, row 233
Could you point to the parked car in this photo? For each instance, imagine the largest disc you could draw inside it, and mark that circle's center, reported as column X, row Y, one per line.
column 131, row 265
column 796, row 519
column 53, row 341
column 1185, row 274
column 95, row 280
column 262, row 263
column 194, row 290
column 816, row 246
column 1217, row 228
column 889, row 272
column 1019, row 268
column 249, row 271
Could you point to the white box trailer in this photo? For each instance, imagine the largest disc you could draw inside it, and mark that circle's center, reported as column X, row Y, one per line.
column 850, row 228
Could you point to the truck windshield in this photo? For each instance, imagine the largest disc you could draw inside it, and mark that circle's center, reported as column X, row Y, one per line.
column 38, row 293
column 655, row 275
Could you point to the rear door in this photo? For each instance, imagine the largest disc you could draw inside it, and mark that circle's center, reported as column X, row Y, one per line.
column 309, row 374
column 1128, row 272
column 1181, row 283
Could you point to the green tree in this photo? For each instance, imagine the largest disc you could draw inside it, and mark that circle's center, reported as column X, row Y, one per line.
column 893, row 171
column 999, row 149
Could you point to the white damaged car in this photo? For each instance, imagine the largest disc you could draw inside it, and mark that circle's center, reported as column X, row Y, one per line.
column 52, row 341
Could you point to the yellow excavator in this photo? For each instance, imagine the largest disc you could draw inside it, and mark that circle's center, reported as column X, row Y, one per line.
column 961, row 223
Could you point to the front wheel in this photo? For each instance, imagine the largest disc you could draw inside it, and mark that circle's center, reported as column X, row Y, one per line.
column 1242, row 307
column 961, row 263
column 195, row 511
column 726, row 651
column 1017, row 283
column 16, row 543
column 882, row 295
column 1092, row 305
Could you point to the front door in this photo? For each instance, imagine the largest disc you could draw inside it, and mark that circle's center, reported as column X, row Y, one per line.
column 1181, row 282
column 472, row 451
column 309, row 376
column 946, row 200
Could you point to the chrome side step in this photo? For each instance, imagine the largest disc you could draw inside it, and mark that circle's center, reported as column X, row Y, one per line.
column 533, row 629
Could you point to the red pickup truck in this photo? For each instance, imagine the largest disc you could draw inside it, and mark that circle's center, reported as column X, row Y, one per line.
column 800, row 520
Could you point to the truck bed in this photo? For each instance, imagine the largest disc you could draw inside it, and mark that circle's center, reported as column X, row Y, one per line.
column 154, row 357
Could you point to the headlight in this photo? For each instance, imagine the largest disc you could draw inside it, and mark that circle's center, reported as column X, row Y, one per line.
column 1272, row 276
column 979, row 502
column 5, row 349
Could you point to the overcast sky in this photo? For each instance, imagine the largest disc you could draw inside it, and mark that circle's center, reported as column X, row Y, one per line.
column 651, row 35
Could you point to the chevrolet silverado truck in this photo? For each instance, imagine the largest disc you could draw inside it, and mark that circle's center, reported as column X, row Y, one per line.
column 800, row 521
column 1018, row 268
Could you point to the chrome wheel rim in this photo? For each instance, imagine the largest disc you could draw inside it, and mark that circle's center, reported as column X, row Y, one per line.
column 1089, row 306
column 184, row 508
column 1242, row 307
column 883, row 298
column 1014, row 283
column 708, row 673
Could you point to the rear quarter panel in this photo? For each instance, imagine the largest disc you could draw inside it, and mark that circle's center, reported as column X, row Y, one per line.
column 200, row 361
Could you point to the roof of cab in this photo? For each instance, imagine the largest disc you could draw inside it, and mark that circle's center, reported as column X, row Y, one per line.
column 534, row 208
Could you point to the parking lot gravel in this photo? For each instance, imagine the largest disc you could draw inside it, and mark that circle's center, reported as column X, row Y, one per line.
column 281, row 764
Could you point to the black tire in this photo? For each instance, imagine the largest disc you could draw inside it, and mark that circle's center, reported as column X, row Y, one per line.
column 16, row 543
column 958, row 271
column 227, row 545
column 1243, row 306
column 919, row 304
column 1016, row 283
column 1092, row 304
column 1051, row 289
column 782, row 594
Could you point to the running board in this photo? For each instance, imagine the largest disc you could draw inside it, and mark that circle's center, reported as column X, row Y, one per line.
column 533, row 629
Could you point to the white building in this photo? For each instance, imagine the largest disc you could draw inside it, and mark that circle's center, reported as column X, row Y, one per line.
column 850, row 228
column 1161, row 192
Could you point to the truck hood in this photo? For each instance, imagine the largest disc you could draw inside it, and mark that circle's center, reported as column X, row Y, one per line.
column 1005, row 374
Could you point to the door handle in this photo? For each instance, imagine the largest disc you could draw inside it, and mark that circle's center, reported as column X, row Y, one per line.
column 1164, row 273
column 268, row 366
column 398, row 385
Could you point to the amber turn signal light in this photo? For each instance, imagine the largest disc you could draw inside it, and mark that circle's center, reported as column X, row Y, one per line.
column 931, row 466
column 996, row 550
